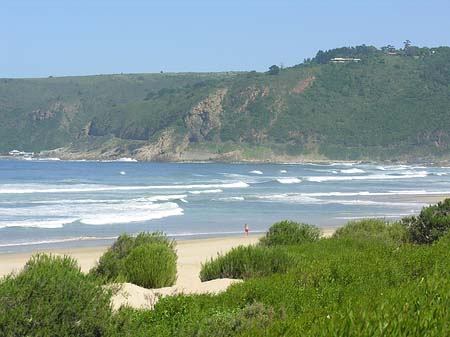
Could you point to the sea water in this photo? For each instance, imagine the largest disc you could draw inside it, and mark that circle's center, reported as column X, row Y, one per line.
column 51, row 203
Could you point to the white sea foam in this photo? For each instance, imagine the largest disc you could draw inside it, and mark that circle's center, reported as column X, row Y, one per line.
column 81, row 188
column 125, row 160
column 206, row 191
column 133, row 214
column 231, row 199
column 291, row 180
column 288, row 197
column 93, row 238
column 367, row 193
column 256, row 172
column 344, row 164
column 164, row 197
column 48, row 223
column 283, row 171
column 305, row 199
column 49, row 159
column 122, row 173
column 319, row 179
column 43, row 242
column 352, row 171
column 97, row 213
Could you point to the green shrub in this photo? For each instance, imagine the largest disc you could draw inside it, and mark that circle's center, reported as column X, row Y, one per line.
column 52, row 297
column 432, row 223
column 374, row 229
column 151, row 266
column 111, row 264
column 255, row 316
column 350, row 286
column 245, row 262
column 290, row 233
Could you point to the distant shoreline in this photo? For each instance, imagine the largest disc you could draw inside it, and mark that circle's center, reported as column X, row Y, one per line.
column 295, row 161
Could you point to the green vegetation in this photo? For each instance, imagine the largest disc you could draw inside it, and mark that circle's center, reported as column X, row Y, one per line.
column 151, row 266
column 374, row 229
column 393, row 103
column 148, row 260
column 367, row 280
column 432, row 223
column 290, row 233
column 245, row 262
column 52, row 297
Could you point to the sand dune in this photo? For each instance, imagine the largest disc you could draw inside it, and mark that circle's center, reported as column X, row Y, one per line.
column 191, row 253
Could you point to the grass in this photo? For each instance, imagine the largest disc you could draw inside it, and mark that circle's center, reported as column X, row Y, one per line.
column 367, row 280
column 338, row 287
column 245, row 262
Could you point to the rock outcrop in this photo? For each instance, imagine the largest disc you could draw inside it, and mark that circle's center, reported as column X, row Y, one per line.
column 205, row 116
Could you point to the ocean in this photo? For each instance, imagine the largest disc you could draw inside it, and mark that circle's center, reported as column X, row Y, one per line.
column 53, row 203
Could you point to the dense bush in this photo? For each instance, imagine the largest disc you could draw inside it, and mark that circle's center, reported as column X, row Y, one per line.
column 111, row 264
column 290, row 233
column 254, row 317
column 52, row 297
column 432, row 223
column 247, row 261
column 374, row 229
column 338, row 287
column 151, row 266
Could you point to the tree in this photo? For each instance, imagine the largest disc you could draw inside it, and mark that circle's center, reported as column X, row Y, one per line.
column 274, row 70
column 407, row 44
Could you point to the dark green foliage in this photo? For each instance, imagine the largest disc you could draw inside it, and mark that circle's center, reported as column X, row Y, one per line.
column 245, row 262
column 253, row 317
column 382, row 107
column 151, row 266
column 274, row 70
column 323, row 57
column 374, row 229
column 288, row 232
column 432, row 223
column 112, row 264
column 346, row 286
column 52, row 297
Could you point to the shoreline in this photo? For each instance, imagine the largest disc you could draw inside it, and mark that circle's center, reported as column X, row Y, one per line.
column 192, row 250
column 436, row 162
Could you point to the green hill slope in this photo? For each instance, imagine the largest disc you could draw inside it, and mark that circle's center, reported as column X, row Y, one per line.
column 383, row 104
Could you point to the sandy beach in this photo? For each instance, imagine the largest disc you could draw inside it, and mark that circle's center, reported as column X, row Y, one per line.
column 191, row 253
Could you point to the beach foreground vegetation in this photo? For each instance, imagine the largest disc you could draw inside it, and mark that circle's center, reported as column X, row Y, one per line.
column 148, row 260
column 432, row 223
column 151, row 266
column 52, row 297
column 290, row 233
column 369, row 279
column 245, row 262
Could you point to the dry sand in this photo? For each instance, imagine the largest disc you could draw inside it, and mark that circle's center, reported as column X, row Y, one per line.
column 191, row 253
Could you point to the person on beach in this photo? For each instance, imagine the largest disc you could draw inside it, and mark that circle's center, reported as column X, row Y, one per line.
column 246, row 228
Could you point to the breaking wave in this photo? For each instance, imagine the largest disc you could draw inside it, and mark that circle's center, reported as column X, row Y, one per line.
column 352, row 171
column 81, row 188
column 256, row 172
column 319, row 179
column 291, row 180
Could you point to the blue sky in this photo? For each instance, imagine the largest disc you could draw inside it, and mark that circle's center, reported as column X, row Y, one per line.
column 59, row 37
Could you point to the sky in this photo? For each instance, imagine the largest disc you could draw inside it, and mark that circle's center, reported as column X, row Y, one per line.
column 41, row 38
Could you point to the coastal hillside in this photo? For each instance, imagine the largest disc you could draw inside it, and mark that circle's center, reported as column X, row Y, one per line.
column 355, row 103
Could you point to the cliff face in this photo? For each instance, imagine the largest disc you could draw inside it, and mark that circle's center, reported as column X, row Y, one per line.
column 379, row 108
column 205, row 116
